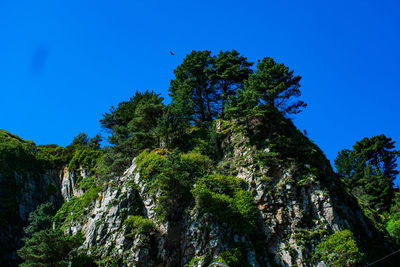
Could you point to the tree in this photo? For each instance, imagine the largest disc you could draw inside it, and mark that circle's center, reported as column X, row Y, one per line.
column 94, row 142
column 134, row 126
column 345, row 164
column 193, row 96
column 48, row 248
column 135, row 119
column 370, row 169
column 81, row 139
column 244, row 105
column 276, row 86
column 41, row 218
column 229, row 73
column 267, row 95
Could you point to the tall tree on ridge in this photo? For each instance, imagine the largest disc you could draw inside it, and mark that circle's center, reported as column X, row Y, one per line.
column 276, row 86
column 192, row 91
column 230, row 71
column 135, row 121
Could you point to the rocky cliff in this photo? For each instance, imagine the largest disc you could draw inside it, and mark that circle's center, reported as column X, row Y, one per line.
column 297, row 207
column 251, row 207
column 21, row 193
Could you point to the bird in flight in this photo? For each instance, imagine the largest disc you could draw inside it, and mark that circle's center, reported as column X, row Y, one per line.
column 172, row 54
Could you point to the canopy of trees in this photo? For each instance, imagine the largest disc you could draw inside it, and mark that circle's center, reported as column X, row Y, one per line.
column 205, row 87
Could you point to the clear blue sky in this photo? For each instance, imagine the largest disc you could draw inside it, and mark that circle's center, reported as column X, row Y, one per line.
column 64, row 63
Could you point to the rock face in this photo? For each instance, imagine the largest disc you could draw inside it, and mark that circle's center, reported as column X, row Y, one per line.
column 68, row 179
column 30, row 192
column 296, row 210
column 295, row 216
column 170, row 245
column 31, row 189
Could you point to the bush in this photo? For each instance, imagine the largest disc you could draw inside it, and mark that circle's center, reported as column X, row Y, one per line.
column 234, row 258
column 339, row 249
column 225, row 197
column 140, row 225
column 172, row 176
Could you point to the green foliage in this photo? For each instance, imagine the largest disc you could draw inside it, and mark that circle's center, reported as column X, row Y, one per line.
column 48, row 248
column 17, row 157
column 87, row 183
column 226, row 198
column 82, row 152
column 369, row 170
column 306, row 237
column 198, row 161
column 243, row 106
column 222, row 184
column 150, row 163
column 134, row 120
column 94, row 142
column 339, row 249
column 287, row 146
column 140, row 225
column 44, row 246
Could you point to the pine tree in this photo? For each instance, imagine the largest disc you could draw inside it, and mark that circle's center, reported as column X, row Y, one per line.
column 81, row 139
column 276, row 86
column 48, row 248
column 94, row 142
column 194, row 99
column 229, row 73
column 134, row 126
column 135, row 120
column 41, row 218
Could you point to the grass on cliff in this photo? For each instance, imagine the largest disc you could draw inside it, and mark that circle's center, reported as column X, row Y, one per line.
column 77, row 208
